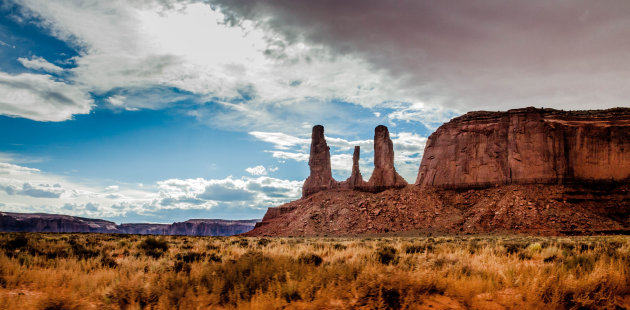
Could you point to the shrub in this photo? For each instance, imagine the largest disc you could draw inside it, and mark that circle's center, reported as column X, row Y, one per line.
column 18, row 242
column 190, row 257
column 310, row 259
column 263, row 242
column 108, row 262
column 59, row 302
column 339, row 247
column 513, row 247
column 153, row 247
column 415, row 248
column 386, row 255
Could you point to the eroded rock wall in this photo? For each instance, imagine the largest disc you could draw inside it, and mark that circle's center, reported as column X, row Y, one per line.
column 526, row 146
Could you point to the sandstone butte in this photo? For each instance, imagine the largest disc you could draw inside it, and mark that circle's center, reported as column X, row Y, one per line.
column 540, row 171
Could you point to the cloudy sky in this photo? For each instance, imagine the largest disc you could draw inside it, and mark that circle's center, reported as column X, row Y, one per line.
column 162, row 110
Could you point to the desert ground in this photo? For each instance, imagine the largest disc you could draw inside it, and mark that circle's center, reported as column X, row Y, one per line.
column 103, row 271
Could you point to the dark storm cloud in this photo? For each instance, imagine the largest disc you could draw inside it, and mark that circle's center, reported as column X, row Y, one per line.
column 470, row 54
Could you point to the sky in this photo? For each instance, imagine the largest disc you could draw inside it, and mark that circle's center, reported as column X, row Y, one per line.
column 162, row 110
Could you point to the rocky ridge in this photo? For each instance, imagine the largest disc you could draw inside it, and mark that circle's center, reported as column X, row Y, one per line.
column 533, row 208
column 57, row 223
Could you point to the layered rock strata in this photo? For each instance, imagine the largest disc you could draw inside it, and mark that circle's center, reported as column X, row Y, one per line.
column 320, row 177
column 528, row 146
column 384, row 175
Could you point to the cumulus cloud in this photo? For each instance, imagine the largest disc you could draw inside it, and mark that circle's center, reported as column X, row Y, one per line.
column 289, row 155
column 255, row 73
column 39, row 63
column 280, row 140
column 40, row 97
column 278, row 62
column 24, row 189
column 221, row 192
column 257, row 170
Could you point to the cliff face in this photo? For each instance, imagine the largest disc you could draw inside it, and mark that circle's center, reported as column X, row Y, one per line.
column 41, row 222
column 527, row 146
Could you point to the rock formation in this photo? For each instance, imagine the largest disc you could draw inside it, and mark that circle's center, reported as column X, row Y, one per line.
column 517, row 208
column 530, row 170
column 529, row 146
column 320, row 177
column 384, row 175
column 57, row 223
column 355, row 181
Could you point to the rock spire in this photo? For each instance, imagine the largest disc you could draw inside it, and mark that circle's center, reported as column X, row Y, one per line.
column 355, row 181
column 320, row 177
column 384, row 175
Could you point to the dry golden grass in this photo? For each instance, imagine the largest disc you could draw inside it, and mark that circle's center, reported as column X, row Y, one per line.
column 97, row 271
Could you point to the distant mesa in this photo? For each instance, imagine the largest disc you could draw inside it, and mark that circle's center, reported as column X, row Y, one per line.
column 383, row 177
column 57, row 223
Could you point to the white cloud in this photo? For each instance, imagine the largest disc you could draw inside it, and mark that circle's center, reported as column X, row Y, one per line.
column 280, row 140
column 24, row 189
column 257, row 170
column 408, row 149
column 40, row 97
column 257, row 74
column 2, row 43
column 39, row 63
column 289, row 155
column 116, row 100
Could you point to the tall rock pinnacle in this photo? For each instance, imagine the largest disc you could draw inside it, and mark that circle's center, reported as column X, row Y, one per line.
column 355, row 181
column 384, row 175
column 319, row 163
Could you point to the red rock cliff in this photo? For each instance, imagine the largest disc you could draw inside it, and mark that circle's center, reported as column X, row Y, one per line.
column 529, row 145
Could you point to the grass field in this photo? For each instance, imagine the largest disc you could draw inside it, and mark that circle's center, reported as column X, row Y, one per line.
column 99, row 271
